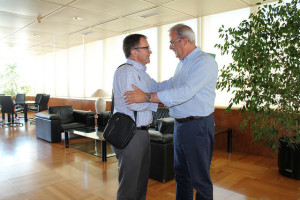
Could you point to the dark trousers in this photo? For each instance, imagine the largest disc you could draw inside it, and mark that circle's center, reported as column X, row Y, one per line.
column 134, row 164
column 193, row 149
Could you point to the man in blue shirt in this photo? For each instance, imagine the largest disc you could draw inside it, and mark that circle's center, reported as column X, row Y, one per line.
column 190, row 95
column 134, row 159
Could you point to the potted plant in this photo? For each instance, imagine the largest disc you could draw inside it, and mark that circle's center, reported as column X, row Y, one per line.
column 264, row 75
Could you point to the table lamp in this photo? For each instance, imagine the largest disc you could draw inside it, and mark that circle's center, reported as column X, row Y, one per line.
column 100, row 103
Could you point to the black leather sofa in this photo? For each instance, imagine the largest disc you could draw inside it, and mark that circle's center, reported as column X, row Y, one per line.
column 49, row 126
column 162, row 148
column 161, row 140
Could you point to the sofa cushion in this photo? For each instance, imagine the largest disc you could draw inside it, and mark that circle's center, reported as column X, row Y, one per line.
column 65, row 112
column 72, row 125
column 165, row 125
column 156, row 136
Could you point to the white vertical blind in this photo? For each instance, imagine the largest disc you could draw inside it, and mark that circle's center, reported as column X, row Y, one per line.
column 49, row 73
column 39, row 73
column 93, row 53
column 113, row 57
column 62, row 75
column 76, row 71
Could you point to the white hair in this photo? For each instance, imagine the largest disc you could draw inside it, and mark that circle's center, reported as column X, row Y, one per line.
column 184, row 31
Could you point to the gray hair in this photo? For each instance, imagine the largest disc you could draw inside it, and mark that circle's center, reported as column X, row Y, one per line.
column 184, row 31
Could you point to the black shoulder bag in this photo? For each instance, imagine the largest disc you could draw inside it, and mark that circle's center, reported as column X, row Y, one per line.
column 120, row 128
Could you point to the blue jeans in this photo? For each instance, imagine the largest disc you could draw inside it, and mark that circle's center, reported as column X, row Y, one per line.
column 193, row 149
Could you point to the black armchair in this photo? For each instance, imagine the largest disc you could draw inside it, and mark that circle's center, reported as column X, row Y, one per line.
column 49, row 126
column 8, row 106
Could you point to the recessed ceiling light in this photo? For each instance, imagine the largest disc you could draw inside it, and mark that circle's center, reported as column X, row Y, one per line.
column 88, row 32
column 76, row 18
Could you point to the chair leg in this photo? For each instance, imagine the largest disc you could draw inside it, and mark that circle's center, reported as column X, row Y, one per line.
column 11, row 121
column 66, row 139
column 229, row 140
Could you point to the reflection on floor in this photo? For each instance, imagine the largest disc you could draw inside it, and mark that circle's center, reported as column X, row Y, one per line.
column 31, row 168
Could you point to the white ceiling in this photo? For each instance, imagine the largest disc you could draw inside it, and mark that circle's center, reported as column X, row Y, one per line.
column 38, row 26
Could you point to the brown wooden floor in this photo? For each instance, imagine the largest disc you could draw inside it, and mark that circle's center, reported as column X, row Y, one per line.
column 31, row 168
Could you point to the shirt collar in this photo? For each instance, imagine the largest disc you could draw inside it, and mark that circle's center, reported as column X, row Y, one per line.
column 191, row 56
column 137, row 65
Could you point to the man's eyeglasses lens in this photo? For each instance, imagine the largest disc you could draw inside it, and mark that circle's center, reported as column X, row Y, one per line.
column 172, row 42
column 147, row 48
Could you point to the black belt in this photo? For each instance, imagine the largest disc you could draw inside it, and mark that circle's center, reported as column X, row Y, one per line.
column 187, row 118
column 143, row 128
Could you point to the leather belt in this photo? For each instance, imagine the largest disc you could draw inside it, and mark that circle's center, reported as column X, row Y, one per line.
column 143, row 128
column 187, row 119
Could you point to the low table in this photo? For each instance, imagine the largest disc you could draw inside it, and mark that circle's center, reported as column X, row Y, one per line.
column 90, row 132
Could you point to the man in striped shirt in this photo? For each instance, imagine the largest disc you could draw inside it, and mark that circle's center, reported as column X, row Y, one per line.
column 134, row 159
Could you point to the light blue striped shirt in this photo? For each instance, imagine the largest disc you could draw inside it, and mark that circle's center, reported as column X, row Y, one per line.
column 193, row 86
column 124, row 77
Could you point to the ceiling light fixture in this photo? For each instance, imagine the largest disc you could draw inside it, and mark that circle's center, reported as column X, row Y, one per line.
column 150, row 14
column 88, row 32
column 76, row 18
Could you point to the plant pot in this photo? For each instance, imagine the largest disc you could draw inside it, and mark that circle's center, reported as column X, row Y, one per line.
column 289, row 160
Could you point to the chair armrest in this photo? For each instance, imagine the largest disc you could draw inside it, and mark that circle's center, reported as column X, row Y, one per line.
column 86, row 117
column 47, row 116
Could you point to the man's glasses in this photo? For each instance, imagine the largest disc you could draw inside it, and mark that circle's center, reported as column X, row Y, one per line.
column 147, row 48
column 172, row 42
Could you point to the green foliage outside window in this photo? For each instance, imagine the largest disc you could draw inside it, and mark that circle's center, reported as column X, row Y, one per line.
column 265, row 75
column 11, row 83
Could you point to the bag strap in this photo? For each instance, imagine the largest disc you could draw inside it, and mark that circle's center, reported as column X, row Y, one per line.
column 112, row 97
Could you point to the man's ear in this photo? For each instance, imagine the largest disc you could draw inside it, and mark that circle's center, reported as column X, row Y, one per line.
column 133, row 53
column 185, row 41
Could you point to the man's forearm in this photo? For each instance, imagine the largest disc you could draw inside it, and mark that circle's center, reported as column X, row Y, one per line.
column 139, row 96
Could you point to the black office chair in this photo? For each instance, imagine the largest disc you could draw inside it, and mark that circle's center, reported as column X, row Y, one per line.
column 19, row 101
column 42, row 105
column 8, row 106
column 0, row 108
column 38, row 98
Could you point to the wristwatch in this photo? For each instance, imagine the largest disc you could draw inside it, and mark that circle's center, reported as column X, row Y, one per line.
column 148, row 97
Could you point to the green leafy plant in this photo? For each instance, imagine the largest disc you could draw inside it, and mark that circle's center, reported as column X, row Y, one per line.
column 11, row 83
column 264, row 76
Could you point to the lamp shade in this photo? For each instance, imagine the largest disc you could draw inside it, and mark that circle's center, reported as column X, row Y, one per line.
column 100, row 93
column 100, row 104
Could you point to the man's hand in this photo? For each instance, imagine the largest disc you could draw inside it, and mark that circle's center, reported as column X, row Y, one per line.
column 136, row 96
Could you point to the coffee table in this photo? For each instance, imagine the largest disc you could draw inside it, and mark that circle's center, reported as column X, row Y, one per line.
column 90, row 132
